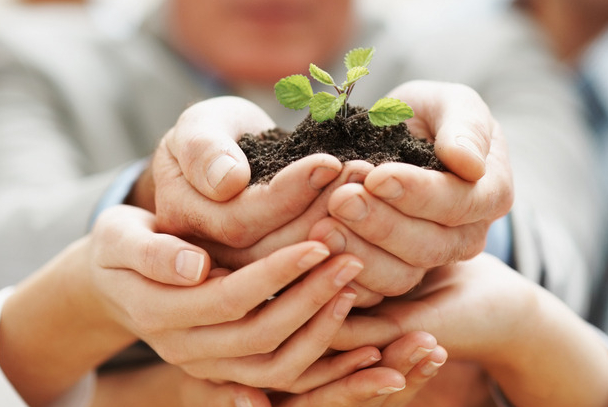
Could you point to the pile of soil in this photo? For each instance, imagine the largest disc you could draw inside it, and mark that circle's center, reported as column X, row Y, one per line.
column 353, row 138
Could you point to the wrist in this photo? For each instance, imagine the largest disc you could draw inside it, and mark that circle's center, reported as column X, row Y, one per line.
column 55, row 304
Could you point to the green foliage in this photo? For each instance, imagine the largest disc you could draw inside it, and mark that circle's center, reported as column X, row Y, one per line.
column 387, row 111
column 295, row 92
column 359, row 57
column 324, row 106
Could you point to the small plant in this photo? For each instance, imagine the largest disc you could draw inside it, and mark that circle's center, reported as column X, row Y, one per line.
column 295, row 92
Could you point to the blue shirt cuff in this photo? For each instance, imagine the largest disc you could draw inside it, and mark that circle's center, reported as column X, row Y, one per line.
column 499, row 240
column 118, row 191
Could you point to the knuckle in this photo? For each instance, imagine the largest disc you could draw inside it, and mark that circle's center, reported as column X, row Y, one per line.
column 235, row 233
column 410, row 280
column 261, row 344
column 148, row 254
column 280, row 379
column 229, row 308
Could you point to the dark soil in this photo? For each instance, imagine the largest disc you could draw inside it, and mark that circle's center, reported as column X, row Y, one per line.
column 353, row 138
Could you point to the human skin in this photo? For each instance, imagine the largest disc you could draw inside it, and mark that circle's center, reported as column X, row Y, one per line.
column 224, row 328
column 239, row 224
column 569, row 26
column 484, row 313
column 163, row 384
column 266, row 40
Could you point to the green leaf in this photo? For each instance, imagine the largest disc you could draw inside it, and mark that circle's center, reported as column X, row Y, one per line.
column 389, row 111
column 320, row 75
column 359, row 57
column 354, row 74
column 294, row 92
column 324, row 106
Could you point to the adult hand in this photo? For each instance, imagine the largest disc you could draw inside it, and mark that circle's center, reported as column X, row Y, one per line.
column 487, row 314
column 408, row 219
column 226, row 328
column 196, row 180
column 481, row 289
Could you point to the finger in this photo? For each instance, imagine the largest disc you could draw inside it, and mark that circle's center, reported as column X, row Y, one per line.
column 456, row 118
column 413, row 349
column 437, row 196
column 266, row 207
column 297, row 228
column 334, row 367
column 365, row 388
column 128, row 241
column 265, row 330
column 281, row 369
column 428, row 368
column 204, row 144
column 152, row 310
column 360, row 330
column 385, row 274
column 428, row 243
column 418, row 357
column 252, row 214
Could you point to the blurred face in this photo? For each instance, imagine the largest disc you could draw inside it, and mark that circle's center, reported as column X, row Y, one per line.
column 261, row 40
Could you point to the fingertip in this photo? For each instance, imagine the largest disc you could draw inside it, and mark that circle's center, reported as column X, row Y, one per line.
column 193, row 267
column 226, row 176
column 322, row 175
column 394, row 382
column 464, row 157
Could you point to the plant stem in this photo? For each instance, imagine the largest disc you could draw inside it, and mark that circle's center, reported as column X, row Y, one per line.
column 357, row 115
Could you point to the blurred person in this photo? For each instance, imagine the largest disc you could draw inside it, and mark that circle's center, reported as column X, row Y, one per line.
column 578, row 34
column 70, row 129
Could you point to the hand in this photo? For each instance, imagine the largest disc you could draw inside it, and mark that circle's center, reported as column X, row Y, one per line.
column 197, row 178
column 406, row 367
column 381, row 385
column 408, row 219
column 226, row 328
column 487, row 314
column 482, row 289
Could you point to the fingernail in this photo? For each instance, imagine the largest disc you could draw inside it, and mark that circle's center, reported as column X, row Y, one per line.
column 349, row 271
column 389, row 189
column 322, row 176
column 430, row 368
column 356, row 178
column 389, row 390
column 242, row 401
column 353, row 209
column 368, row 362
column 219, row 168
column 336, row 241
column 419, row 354
column 470, row 146
column 344, row 304
column 312, row 258
column 189, row 264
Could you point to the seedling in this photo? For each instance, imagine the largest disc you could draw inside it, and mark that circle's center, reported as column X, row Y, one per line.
column 295, row 92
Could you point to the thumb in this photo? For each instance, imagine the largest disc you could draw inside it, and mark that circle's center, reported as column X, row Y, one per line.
column 204, row 143
column 456, row 118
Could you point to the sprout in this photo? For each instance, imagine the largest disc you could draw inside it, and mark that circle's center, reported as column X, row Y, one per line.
column 295, row 92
